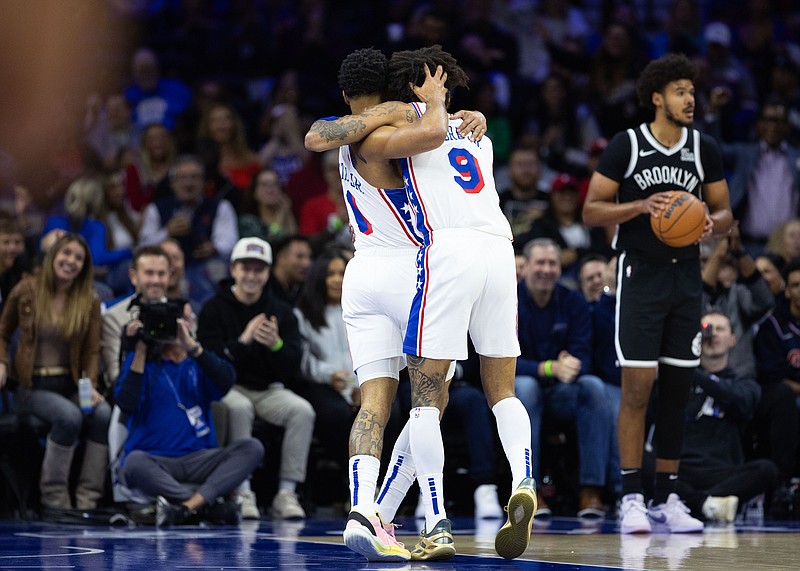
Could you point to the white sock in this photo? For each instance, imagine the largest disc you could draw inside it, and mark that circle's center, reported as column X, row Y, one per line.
column 290, row 485
column 425, row 438
column 364, row 472
column 399, row 477
column 514, row 428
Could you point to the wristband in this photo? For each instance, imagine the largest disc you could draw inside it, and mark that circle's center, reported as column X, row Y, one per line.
column 548, row 368
column 277, row 347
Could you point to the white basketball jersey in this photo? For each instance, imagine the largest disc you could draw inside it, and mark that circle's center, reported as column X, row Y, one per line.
column 462, row 196
column 379, row 217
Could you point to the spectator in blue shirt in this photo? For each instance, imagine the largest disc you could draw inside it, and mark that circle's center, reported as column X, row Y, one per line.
column 555, row 334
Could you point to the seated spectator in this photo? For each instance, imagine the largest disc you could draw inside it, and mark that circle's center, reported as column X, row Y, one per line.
column 57, row 314
column 714, row 477
column 325, row 215
column 525, row 199
column 258, row 334
column 553, row 380
column 598, row 284
column 770, row 266
column 733, row 286
column 288, row 274
column 14, row 262
column 154, row 99
column 764, row 174
column 84, row 205
column 565, row 126
column 122, row 222
column 147, row 176
column 283, row 129
column 223, row 126
column 785, row 240
column 326, row 363
column 562, row 223
column 204, row 227
column 776, row 344
column 165, row 389
column 266, row 210
column 109, row 129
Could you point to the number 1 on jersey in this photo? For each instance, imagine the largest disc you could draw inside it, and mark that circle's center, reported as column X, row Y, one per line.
column 470, row 176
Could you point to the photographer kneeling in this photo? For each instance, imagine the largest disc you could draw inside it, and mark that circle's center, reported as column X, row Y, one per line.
column 166, row 386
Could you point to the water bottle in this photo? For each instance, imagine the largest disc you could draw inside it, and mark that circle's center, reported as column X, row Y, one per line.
column 85, row 394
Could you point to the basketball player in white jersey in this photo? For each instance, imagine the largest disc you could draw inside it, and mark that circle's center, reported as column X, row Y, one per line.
column 465, row 282
column 379, row 285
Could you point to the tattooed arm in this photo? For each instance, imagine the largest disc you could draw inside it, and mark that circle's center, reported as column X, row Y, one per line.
column 330, row 134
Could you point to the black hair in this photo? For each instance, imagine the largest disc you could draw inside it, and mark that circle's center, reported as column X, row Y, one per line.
column 314, row 295
column 280, row 245
column 591, row 257
column 364, row 72
column 407, row 67
column 790, row 267
column 660, row 72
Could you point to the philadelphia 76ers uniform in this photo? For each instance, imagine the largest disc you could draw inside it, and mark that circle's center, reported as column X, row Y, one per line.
column 466, row 279
column 659, row 288
column 379, row 281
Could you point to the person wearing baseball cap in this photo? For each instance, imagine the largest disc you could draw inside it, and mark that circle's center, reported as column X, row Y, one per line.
column 259, row 335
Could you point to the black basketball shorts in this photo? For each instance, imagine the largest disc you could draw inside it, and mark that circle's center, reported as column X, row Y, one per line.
column 658, row 312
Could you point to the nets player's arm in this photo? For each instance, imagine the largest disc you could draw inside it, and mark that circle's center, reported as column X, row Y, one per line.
column 601, row 207
column 715, row 193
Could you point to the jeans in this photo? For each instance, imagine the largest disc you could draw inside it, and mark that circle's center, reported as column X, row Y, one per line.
column 585, row 402
column 47, row 401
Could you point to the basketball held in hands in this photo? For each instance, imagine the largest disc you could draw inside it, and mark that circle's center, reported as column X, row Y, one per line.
column 682, row 222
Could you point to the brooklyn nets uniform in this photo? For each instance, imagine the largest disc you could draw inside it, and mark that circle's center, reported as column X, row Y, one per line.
column 658, row 287
column 466, row 278
column 379, row 281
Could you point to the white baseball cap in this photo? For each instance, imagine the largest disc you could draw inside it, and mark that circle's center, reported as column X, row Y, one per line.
column 252, row 249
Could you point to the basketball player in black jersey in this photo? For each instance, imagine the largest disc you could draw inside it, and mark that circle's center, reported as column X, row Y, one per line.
column 659, row 287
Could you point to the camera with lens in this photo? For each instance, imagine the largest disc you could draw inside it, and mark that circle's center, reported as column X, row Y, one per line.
column 707, row 330
column 159, row 320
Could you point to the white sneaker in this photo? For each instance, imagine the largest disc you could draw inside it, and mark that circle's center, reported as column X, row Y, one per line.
column 487, row 506
column 248, row 506
column 633, row 515
column 722, row 509
column 286, row 506
column 675, row 516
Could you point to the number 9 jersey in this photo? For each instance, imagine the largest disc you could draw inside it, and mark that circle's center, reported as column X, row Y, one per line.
column 463, row 196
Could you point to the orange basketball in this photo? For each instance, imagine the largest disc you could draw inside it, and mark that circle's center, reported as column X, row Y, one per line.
column 683, row 221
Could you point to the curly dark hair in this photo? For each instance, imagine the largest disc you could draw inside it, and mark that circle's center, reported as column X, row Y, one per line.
column 658, row 73
column 364, row 72
column 406, row 66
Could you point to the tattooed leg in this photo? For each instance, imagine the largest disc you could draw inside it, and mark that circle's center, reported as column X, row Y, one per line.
column 428, row 381
column 366, row 436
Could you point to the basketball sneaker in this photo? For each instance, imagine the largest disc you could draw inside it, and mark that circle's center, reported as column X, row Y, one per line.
column 513, row 538
column 633, row 515
column 674, row 515
column 366, row 535
column 436, row 545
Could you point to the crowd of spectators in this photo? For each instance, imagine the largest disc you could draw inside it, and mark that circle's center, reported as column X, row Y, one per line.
column 199, row 143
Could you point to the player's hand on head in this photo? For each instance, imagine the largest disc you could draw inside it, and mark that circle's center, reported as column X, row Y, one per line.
column 433, row 88
column 473, row 124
